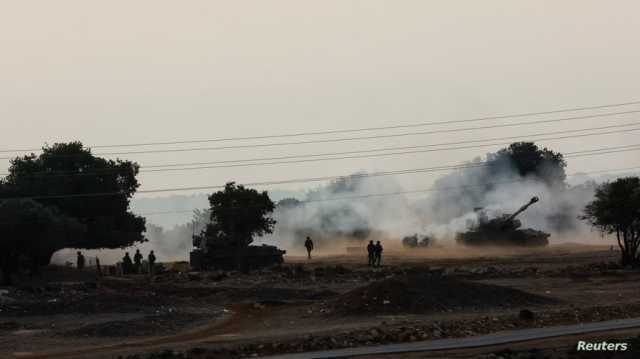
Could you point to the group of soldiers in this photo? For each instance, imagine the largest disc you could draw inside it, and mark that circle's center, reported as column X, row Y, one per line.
column 374, row 251
column 375, row 254
column 129, row 266
column 135, row 266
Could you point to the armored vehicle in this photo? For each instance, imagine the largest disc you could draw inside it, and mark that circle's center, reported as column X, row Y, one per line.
column 416, row 241
column 219, row 256
column 503, row 231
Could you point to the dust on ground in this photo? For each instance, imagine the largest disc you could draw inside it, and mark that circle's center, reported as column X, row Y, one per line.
column 328, row 302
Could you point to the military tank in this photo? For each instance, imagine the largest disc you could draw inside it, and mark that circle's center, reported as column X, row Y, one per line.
column 503, row 231
column 222, row 256
column 416, row 241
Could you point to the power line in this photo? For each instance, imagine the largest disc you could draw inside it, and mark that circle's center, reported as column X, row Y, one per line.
column 376, row 174
column 392, row 148
column 345, row 139
column 304, row 158
column 314, row 179
column 431, row 189
column 364, row 129
column 376, row 155
column 289, row 181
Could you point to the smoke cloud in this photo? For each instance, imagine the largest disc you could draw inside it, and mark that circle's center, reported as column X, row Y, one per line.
column 492, row 183
column 500, row 189
column 345, row 209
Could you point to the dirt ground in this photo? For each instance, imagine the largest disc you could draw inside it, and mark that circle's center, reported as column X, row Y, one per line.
column 329, row 302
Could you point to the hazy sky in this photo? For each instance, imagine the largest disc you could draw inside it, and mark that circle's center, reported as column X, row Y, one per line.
column 111, row 72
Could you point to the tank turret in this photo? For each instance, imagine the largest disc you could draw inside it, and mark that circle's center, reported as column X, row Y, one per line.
column 220, row 255
column 503, row 230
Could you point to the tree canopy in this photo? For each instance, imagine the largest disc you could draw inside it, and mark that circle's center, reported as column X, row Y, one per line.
column 530, row 160
column 93, row 190
column 616, row 210
column 31, row 233
column 239, row 214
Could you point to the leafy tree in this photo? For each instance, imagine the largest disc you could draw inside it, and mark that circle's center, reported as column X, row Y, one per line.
column 94, row 190
column 30, row 234
column 616, row 210
column 239, row 214
column 528, row 159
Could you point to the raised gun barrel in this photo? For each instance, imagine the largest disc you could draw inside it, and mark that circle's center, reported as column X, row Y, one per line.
column 522, row 209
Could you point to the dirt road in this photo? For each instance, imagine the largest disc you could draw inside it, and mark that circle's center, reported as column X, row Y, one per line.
column 216, row 330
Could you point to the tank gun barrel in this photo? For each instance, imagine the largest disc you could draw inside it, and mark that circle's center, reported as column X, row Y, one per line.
column 522, row 209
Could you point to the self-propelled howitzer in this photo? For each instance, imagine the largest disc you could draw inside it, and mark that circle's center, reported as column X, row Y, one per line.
column 503, row 231
column 220, row 255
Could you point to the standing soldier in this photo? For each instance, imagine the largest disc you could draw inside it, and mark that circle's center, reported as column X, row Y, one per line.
column 127, row 264
column 309, row 245
column 98, row 267
column 371, row 250
column 137, row 261
column 152, row 262
column 378, row 252
column 80, row 261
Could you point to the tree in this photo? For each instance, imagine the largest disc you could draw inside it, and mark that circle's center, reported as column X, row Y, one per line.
column 239, row 214
column 616, row 210
column 30, row 233
column 476, row 185
column 530, row 160
column 93, row 190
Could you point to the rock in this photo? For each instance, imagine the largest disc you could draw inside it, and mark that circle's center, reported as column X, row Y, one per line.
column 197, row 351
column 194, row 276
column 526, row 314
column 4, row 299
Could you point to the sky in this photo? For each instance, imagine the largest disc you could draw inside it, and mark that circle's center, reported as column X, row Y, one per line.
column 122, row 72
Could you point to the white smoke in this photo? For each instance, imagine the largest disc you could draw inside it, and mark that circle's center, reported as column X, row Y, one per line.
column 347, row 208
column 449, row 209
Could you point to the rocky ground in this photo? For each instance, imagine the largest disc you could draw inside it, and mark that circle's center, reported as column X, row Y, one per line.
column 330, row 302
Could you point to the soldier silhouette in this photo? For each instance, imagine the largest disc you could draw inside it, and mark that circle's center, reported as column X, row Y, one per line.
column 152, row 262
column 80, row 261
column 378, row 254
column 371, row 250
column 98, row 267
column 127, row 264
column 137, row 261
column 309, row 245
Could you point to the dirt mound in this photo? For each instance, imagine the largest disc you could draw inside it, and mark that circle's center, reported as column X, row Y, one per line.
column 80, row 298
column 147, row 326
column 425, row 293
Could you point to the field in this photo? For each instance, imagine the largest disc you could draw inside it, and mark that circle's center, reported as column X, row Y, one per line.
column 332, row 301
